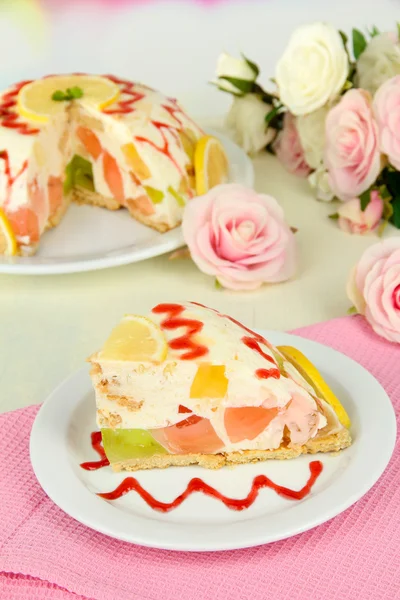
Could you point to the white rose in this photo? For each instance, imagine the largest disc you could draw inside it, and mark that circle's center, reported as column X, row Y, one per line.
column 246, row 122
column 379, row 62
column 313, row 68
column 319, row 180
column 237, row 68
column 311, row 130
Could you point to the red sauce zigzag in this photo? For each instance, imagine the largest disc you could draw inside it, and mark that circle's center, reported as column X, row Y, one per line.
column 186, row 341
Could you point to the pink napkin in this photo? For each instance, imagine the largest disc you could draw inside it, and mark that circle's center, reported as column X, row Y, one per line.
column 45, row 554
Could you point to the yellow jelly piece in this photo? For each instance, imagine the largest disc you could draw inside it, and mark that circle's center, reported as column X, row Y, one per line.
column 209, row 382
column 138, row 166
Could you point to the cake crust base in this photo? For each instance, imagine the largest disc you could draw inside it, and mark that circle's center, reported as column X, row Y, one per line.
column 330, row 443
column 83, row 196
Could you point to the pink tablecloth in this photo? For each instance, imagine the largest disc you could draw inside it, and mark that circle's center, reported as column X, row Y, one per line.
column 45, row 554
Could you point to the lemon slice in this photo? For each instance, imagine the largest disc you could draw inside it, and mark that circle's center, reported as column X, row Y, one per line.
column 315, row 379
column 35, row 99
column 8, row 243
column 136, row 338
column 210, row 164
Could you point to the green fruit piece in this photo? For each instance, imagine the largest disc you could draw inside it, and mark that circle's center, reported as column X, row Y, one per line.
column 177, row 196
column 124, row 444
column 78, row 172
column 156, row 196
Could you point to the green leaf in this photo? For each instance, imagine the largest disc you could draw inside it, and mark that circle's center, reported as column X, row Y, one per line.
column 381, row 228
column 387, row 211
column 221, row 89
column 269, row 116
column 365, row 198
column 58, row 96
column 352, row 310
column 395, row 218
column 253, row 66
column 75, row 92
column 374, row 31
column 217, row 284
column 384, row 192
column 334, row 216
column 265, row 96
column 347, row 85
column 344, row 37
column 242, row 85
column 359, row 43
column 70, row 94
column 392, row 180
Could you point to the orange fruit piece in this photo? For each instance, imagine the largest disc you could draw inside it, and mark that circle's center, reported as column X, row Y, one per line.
column 55, row 191
column 247, row 422
column 90, row 140
column 193, row 435
column 24, row 222
column 113, row 176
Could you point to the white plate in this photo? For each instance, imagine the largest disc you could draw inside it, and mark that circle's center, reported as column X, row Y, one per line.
column 91, row 238
column 60, row 442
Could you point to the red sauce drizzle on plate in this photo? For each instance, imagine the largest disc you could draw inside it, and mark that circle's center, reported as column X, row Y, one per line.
column 186, row 341
column 96, row 440
column 130, row 484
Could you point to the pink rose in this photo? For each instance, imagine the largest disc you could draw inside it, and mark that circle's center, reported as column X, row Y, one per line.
column 288, row 148
column 374, row 288
column 239, row 236
column 352, row 155
column 353, row 220
column 387, row 112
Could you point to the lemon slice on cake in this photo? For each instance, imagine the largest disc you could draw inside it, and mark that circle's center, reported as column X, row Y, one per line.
column 36, row 103
column 8, row 243
column 315, row 379
column 136, row 338
column 210, row 164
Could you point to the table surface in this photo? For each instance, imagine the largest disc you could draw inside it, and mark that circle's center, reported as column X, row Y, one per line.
column 50, row 324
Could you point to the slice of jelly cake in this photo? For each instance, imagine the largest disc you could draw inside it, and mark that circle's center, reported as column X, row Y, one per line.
column 189, row 385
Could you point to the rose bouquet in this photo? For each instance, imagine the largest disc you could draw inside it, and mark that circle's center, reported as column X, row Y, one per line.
column 333, row 117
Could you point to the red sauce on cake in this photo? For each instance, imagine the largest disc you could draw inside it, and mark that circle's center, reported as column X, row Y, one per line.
column 185, row 342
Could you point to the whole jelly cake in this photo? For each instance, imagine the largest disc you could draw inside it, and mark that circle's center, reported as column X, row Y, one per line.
column 97, row 140
column 189, row 385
